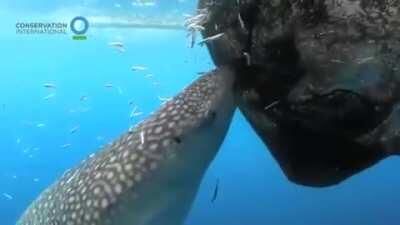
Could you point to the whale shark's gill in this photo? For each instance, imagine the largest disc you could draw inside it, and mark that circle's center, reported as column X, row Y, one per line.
column 150, row 175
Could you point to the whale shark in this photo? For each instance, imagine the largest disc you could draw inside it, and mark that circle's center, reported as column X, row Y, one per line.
column 149, row 175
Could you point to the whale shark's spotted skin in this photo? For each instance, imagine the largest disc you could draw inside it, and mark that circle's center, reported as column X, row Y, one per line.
column 150, row 175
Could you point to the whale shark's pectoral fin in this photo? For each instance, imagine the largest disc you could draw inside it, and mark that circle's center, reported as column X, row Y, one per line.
column 150, row 175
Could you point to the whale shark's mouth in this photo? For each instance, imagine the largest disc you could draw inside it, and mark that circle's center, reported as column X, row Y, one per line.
column 337, row 112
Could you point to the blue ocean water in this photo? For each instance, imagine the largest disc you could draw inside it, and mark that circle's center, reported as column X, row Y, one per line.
column 38, row 142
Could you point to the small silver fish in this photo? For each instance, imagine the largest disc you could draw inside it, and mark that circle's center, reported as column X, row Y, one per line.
column 192, row 35
column 120, row 90
column 83, row 98
column 135, row 112
column 248, row 58
column 196, row 27
column 138, row 68
column 270, row 106
column 8, row 196
column 39, row 125
column 49, row 85
column 199, row 19
column 50, row 96
column 212, row 38
column 74, row 129
column 65, row 146
column 242, row 25
column 215, row 195
column 164, row 99
column 118, row 46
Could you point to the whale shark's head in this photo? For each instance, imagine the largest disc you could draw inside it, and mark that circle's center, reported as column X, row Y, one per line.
column 327, row 53
column 332, row 64
column 318, row 79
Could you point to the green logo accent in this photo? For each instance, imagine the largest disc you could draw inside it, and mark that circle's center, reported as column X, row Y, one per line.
column 79, row 37
column 79, row 32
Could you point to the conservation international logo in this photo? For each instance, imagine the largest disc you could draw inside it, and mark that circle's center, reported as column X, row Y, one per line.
column 79, row 26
